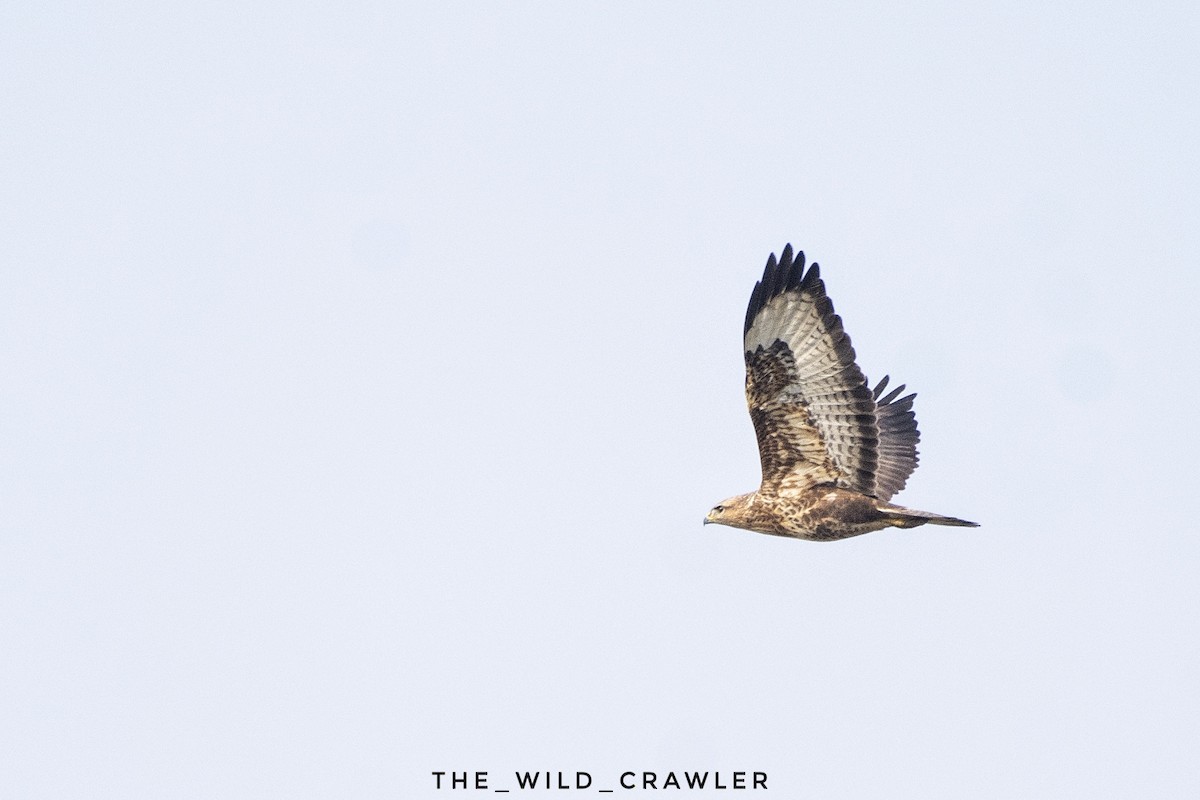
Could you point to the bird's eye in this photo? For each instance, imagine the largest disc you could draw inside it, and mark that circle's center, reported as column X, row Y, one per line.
column 719, row 509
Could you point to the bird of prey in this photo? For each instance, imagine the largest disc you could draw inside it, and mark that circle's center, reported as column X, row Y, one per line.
column 833, row 449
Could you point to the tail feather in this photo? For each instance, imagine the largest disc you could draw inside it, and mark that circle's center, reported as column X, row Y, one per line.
column 902, row 517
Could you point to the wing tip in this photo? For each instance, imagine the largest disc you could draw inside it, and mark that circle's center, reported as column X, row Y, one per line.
column 782, row 274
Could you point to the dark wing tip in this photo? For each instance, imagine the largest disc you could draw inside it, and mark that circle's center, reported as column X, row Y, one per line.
column 898, row 436
column 785, row 258
column 780, row 275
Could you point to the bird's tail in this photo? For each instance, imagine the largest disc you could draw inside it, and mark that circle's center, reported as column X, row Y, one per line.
column 902, row 517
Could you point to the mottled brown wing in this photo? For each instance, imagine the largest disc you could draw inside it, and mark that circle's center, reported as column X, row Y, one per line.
column 812, row 410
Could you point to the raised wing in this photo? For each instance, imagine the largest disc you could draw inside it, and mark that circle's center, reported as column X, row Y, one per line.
column 813, row 413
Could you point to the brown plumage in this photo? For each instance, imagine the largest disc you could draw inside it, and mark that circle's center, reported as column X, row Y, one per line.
column 833, row 450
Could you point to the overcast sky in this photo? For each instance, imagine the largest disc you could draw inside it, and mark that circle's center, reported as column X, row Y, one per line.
column 369, row 370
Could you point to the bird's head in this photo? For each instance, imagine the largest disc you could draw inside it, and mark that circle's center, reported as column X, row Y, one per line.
column 731, row 512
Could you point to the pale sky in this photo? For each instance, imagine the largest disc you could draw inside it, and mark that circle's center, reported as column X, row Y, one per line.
column 370, row 369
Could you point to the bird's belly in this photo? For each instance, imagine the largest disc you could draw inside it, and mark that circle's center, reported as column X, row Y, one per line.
column 828, row 514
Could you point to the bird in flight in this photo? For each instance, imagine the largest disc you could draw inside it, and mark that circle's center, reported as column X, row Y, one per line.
column 833, row 449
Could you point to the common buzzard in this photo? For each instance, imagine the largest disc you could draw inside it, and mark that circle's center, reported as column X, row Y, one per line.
column 833, row 449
